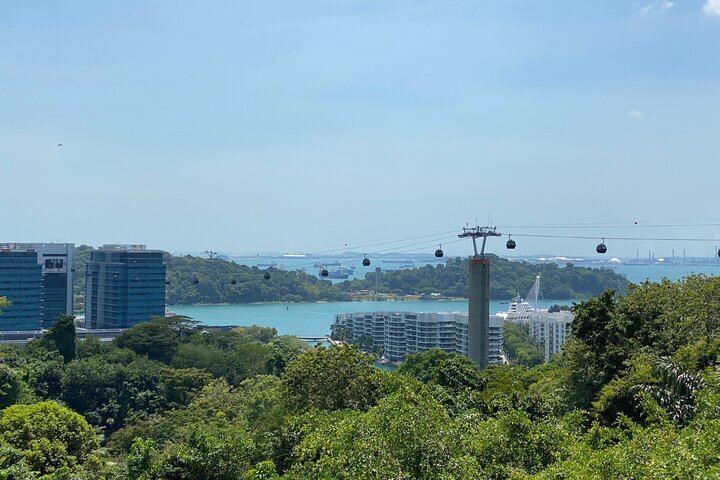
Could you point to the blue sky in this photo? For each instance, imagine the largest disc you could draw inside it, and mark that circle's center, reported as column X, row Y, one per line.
column 304, row 126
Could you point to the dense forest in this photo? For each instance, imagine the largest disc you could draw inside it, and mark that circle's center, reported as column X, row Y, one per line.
column 635, row 394
column 202, row 280
column 507, row 279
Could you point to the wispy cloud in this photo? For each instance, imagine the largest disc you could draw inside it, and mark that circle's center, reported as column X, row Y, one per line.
column 712, row 8
column 661, row 6
column 635, row 114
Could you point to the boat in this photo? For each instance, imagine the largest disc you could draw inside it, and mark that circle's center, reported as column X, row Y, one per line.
column 399, row 260
column 340, row 273
column 523, row 308
column 333, row 263
column 519, row 309
column 294, row 255
column 271, row 264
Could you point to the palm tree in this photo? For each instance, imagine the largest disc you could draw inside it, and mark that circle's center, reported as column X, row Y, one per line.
column 676, row 389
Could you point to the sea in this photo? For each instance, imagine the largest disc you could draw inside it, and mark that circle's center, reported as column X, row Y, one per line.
column 313, row 319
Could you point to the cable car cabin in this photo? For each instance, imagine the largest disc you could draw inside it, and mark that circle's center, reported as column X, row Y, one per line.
column 510, row 244
column 439, row 253
column 324, row 272
column 601, row 248
column 196, row 280
column 266, row 276
column 366, row 262
column 167, row 282
column 233, row 281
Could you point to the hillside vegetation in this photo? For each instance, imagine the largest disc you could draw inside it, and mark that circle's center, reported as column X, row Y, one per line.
column 194, row 280
column 507, row 279
column 635, row 394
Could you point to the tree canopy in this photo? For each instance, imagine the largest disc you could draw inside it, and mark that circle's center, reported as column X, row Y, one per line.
column 634, row 394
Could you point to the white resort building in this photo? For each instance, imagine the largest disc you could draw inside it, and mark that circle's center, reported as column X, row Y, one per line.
column 399, row 333
column 550, row 329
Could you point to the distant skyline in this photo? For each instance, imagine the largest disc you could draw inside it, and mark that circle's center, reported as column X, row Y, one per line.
column 305, row 126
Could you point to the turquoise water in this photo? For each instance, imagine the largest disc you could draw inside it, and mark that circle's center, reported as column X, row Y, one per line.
column 314, row 319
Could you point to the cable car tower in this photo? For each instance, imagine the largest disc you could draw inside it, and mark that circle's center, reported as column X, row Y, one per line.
column 478, row 296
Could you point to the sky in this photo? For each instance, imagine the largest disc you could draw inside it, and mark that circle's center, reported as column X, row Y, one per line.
column 306, row 126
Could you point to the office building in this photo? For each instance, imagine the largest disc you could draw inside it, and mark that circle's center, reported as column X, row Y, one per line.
column 37, row 278
column 125, row 285
column 399, row 333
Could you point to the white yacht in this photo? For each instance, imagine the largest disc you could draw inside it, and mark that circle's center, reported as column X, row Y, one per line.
column 523, row 308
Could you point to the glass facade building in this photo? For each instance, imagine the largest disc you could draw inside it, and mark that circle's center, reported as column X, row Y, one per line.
column 37, row 278
column 21, row 283
column 125, row 286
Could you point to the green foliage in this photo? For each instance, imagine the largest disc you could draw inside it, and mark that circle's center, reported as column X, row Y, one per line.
column 284, row 350
column 262, row 471
column 216, row 451
column 47, row 435
column 10, row 386
column 445, row 369
column 407, row 435
column 214, row 277
column 4, row 303
column 92, row 346
column 156, row 339
column 222, row 455
column 675, row 391
column 247, row 404
column 331, row 379
column 520, row 346
column 656, row 452
column 140, row 460
column 201, row 355
column 178, row 386
column 108, row 393
column 512, row 445
column 509, row 279
column 214, row 281
column 658, row 318
column 62, row 337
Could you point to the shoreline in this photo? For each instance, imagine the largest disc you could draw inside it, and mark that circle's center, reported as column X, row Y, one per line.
column 324, row 302
column 394, row 300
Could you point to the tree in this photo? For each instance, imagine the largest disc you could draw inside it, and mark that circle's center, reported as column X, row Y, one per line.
column 179, row 385
column 155, row 339
column 520, row 346
column 284, row 350
column 4, row 303
column 62, row 336
column 408, row 434
column 48, row 435
column 9, row 386
column 108, row 393
column 445, row 369
column 675, row 391
column 598, row 349
column 330, row 379
column 202, row 355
